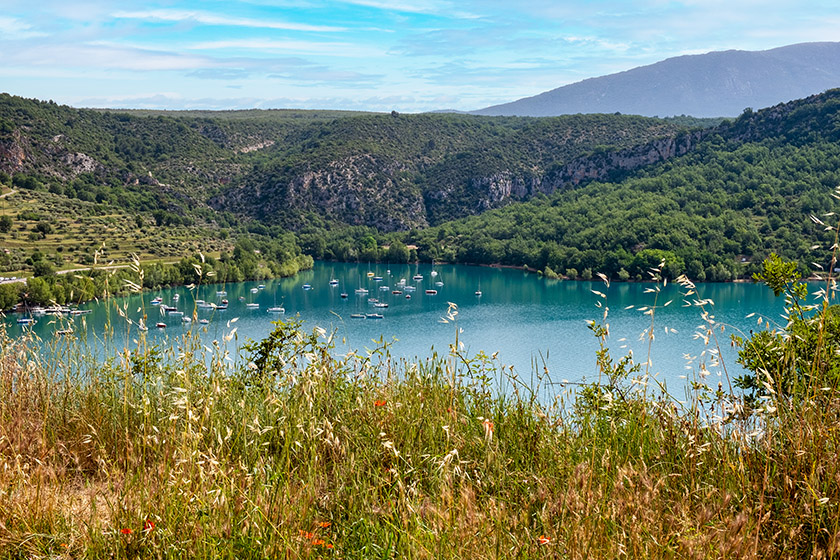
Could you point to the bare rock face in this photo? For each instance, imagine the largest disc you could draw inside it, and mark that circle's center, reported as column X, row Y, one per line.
column 81, row 163
column 364, row 189
column 357, row 190
column 12, row 154
column 600, row 166
column 500, row 188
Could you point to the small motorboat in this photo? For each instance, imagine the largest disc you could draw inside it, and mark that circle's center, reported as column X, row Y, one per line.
column 431, row 292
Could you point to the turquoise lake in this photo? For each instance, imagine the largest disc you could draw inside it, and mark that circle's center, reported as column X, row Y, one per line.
column 531, row 322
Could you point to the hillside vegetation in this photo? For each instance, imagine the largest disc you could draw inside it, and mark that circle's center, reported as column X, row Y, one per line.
column 570, row 196
column 748, row 188
column 391, row 171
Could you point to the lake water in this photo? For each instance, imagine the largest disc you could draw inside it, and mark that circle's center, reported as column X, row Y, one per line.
column 531, row 322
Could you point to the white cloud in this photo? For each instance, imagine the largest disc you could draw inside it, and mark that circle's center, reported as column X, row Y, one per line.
column 103, row 56
column 303, row 47
column 12, row 28
column 427, row 7
column 214, row 19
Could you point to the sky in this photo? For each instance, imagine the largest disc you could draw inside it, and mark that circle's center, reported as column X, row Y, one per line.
column 372, row 55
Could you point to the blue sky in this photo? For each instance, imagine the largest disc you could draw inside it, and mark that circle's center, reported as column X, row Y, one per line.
column 378, row 55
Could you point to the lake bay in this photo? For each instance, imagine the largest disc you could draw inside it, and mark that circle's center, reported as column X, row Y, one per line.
column 530, row 321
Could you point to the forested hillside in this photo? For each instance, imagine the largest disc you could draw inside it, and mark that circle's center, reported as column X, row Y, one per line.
column 569, row 195
column 749, row 188
column 289, row 168
column 395, row 172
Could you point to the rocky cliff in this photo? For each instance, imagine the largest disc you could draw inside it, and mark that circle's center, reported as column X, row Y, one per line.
column 366, row 189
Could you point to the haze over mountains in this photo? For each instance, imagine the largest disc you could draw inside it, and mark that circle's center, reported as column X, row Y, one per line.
column 716, row 84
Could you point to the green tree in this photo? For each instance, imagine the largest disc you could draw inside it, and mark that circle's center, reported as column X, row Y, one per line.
column 43, row 268
column 799, row 360
column 397, row 252
column 44, row 228
column 9, row 295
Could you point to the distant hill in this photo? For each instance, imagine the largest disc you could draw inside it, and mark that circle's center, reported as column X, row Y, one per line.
column 296, row 168
column 716, row 84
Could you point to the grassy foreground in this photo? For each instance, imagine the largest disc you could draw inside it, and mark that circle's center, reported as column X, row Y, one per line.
column 175, row 454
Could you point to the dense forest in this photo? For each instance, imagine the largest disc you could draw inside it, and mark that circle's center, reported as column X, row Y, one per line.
column 288, row 168
column 749, row 188
column 569, row 196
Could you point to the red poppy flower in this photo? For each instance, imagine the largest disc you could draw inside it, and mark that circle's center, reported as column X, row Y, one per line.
column 324, row 524
column 380, row 403
column 543, row 539
column 148, row 525
column 126, row 531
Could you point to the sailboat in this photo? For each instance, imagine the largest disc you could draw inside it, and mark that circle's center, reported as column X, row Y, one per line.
column 362, row 290
column 276, row 308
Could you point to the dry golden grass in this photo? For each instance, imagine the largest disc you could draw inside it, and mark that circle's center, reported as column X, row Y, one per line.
column 159, row 453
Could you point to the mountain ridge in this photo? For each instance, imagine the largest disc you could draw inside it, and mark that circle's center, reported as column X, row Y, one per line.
column 714, row 84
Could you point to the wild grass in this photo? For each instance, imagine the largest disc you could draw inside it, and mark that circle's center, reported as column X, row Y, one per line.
column 297, row 452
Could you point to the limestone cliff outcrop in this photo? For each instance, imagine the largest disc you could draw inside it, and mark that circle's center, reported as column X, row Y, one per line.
column 12, row 154
column 364, row 189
